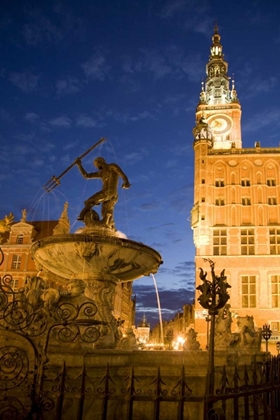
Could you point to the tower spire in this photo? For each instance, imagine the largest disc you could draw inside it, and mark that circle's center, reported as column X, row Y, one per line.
column 218, row 102
column 216, row 47
column 217, row 84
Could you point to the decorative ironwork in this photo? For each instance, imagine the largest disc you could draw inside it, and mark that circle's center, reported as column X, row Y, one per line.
column 254, row 390
column 213, row 297
column 14, row 367
column 1, row 256
column 19, row 313
column 12, row 408
column 214, row 293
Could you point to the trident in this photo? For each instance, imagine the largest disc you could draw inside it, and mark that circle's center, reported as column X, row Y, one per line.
column 55, row 180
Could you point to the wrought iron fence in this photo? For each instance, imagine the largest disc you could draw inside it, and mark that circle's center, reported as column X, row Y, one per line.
column 33, row 387
column 250, row 393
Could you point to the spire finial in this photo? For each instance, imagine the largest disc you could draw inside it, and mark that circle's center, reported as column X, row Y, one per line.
column 216, row 29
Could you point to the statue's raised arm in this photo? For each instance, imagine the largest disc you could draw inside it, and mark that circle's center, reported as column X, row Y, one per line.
column 109, row 173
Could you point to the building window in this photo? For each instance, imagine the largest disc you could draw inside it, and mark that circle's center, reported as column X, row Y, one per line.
column 247, row 242
column 275, row 325
column 219, row 202
column 271, row 182
column 203, row 181
column 274, row 241
column 246, row 201
column 245, row 183
column 19, row 239
column 249, row 297
column 272, row 201
column 203, row 199
column 219, row 242
column 219, row 183
column 16, row 262
column 15, row 285
column 275, row 291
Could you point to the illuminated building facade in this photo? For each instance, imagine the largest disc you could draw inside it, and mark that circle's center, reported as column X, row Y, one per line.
column 142, row 332
column 236, row 212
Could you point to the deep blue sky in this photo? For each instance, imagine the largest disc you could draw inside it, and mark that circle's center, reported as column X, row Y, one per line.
column 73, row 71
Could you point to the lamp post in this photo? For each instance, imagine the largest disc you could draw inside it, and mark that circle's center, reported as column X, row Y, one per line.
column 278, row 347
column 213, row 297
column 207, row 319
column 266, row 334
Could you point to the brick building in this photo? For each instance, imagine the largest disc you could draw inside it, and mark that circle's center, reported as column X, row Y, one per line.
column 236, row 212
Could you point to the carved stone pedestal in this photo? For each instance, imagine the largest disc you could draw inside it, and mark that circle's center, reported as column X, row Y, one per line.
column 99, row 260
column 102, row 292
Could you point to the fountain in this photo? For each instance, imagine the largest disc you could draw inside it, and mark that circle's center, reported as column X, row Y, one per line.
column 61, row 351
column 98, row 254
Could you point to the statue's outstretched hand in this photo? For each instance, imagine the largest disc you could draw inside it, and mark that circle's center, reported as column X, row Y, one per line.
column 126, row 185
column 78, row 161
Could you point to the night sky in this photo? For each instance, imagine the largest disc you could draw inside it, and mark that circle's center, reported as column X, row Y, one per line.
column 131, row 71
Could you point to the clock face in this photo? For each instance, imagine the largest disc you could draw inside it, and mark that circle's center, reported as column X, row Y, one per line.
column 221, row 124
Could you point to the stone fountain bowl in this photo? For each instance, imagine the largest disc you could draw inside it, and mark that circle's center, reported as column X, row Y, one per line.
column 91, row 256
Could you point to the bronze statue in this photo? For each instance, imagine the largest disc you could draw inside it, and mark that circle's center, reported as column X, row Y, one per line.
column 109, row 174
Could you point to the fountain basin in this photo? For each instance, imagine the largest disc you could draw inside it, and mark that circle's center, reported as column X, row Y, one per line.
column 88, row 256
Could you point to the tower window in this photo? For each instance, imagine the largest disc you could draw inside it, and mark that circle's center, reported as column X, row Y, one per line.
column 219, row 242
column 219, row 183
column 271, row 182
column 203, row 181
column 272, row 201
column 247, row 242
column 275, row 291
column 245, row 183
column 16, row 262
column 219, row 202
column 203, row 199
column 248, row 291
column 19, row 239
column 246, row 201
column 274, row 241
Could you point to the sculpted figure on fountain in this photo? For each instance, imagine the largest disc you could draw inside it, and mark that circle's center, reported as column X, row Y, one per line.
column 109, row 173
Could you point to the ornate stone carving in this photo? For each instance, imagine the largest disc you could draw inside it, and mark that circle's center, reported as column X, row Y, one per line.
column 5, row 224
column 247, row 339
column 202, row 130
column 63, row 226
column 191, row 343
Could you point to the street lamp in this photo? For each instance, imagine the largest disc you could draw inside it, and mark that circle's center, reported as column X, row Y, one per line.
column 266, row 334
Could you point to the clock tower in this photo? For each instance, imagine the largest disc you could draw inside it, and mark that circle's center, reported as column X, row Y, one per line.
column 218, row 102
column 236, row 212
